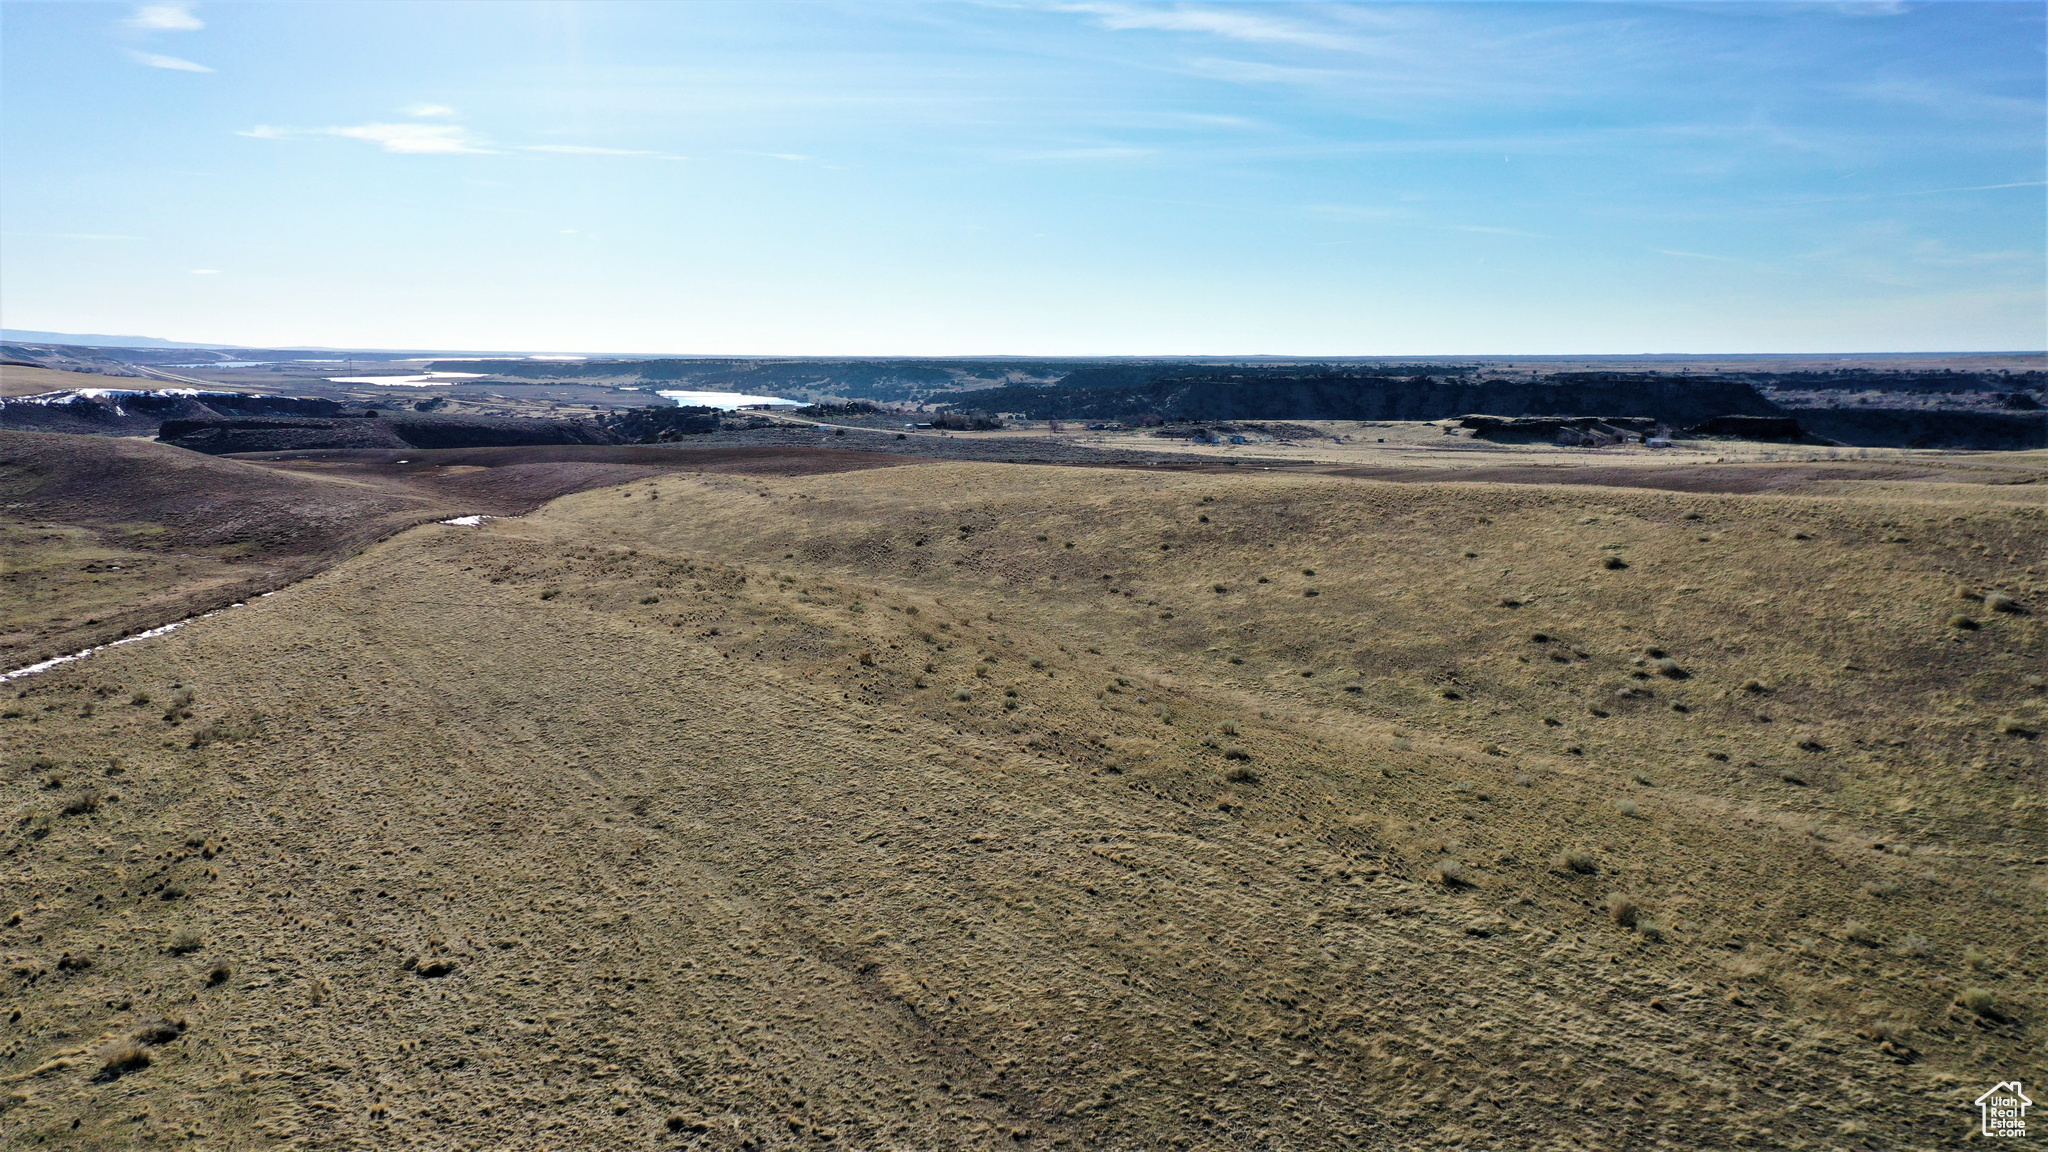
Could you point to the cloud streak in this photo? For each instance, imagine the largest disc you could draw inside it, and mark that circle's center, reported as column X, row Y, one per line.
column 172, row 17
column 174, row 63
column 413, row 139
column 1232, row 24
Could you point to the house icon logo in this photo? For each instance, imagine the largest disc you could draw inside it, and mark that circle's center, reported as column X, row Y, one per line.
column 2003, row 1110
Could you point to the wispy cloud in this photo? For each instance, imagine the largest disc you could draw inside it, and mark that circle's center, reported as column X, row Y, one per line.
column 1695, row 255
column 174, row 63
column 206, row 271
column 427, row 110
column 412, row 139
column 1233, row 24
column 172, row 17
column 405, row 139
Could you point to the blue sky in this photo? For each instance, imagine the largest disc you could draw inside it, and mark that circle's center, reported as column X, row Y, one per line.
column 1063, row 178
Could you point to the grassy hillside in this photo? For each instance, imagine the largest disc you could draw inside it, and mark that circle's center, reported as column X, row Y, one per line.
column 983, row 806
column 109, row 536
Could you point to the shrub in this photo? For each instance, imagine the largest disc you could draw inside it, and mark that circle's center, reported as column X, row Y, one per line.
column 963, row 695
column 1884, row 889
column 1242, row 774
column 1628, row 808
column 1614, row 563
column 1643, row 778
column 157, row 1030
column 1915, row 946
column 1450, row 873
column 1623, row 910
column 1576, row 860
column 2000, row 602
column 2010, row 726
column 1963, row 622
column 185, row 940
column 1857, row 932
column 1236, row 753
column 1982, row 1001
column 139, row 699
column 1977, row 961
column 120, row 1058
column 1652, row 930
column 1228, row 728
column 218, row 974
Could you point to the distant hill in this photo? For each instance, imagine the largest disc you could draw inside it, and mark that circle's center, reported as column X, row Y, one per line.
column 29, row 336
column 1337, row 395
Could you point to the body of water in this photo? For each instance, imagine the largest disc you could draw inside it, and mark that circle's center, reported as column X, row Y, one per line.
column 425, row 381
column 727, row 400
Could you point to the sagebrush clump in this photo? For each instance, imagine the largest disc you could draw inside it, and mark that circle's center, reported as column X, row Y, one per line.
column 1576, row 860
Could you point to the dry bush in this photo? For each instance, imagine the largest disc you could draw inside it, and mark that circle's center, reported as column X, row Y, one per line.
column 157, row 1030
column 1242, row 774
column 1624, row 910
column 185, row 940
column 1915, row 946
column 1643, row 778
column 219, row 973
column 2000, row 602
column 1857, row 932
column 1963, row 622
column 1628, row 808
column 1982, row 1001
column 1976, row 961
column 1652, row 930
column 120, row 1058
column 1577, row 860
column 1884, row 889
column 1450, row 873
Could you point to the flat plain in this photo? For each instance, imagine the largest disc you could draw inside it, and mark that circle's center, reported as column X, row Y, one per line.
column 770, row 802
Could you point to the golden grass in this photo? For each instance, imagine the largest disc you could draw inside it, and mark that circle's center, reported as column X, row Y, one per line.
column 505, row 871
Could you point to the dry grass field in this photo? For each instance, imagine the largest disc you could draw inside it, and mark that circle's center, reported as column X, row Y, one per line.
column 988, row 806
column 105, row 537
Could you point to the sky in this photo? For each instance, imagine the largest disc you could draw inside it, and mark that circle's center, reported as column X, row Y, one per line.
column 1093, row 178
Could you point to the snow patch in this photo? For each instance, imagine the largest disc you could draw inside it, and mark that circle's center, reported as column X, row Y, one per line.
column 52, row 662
